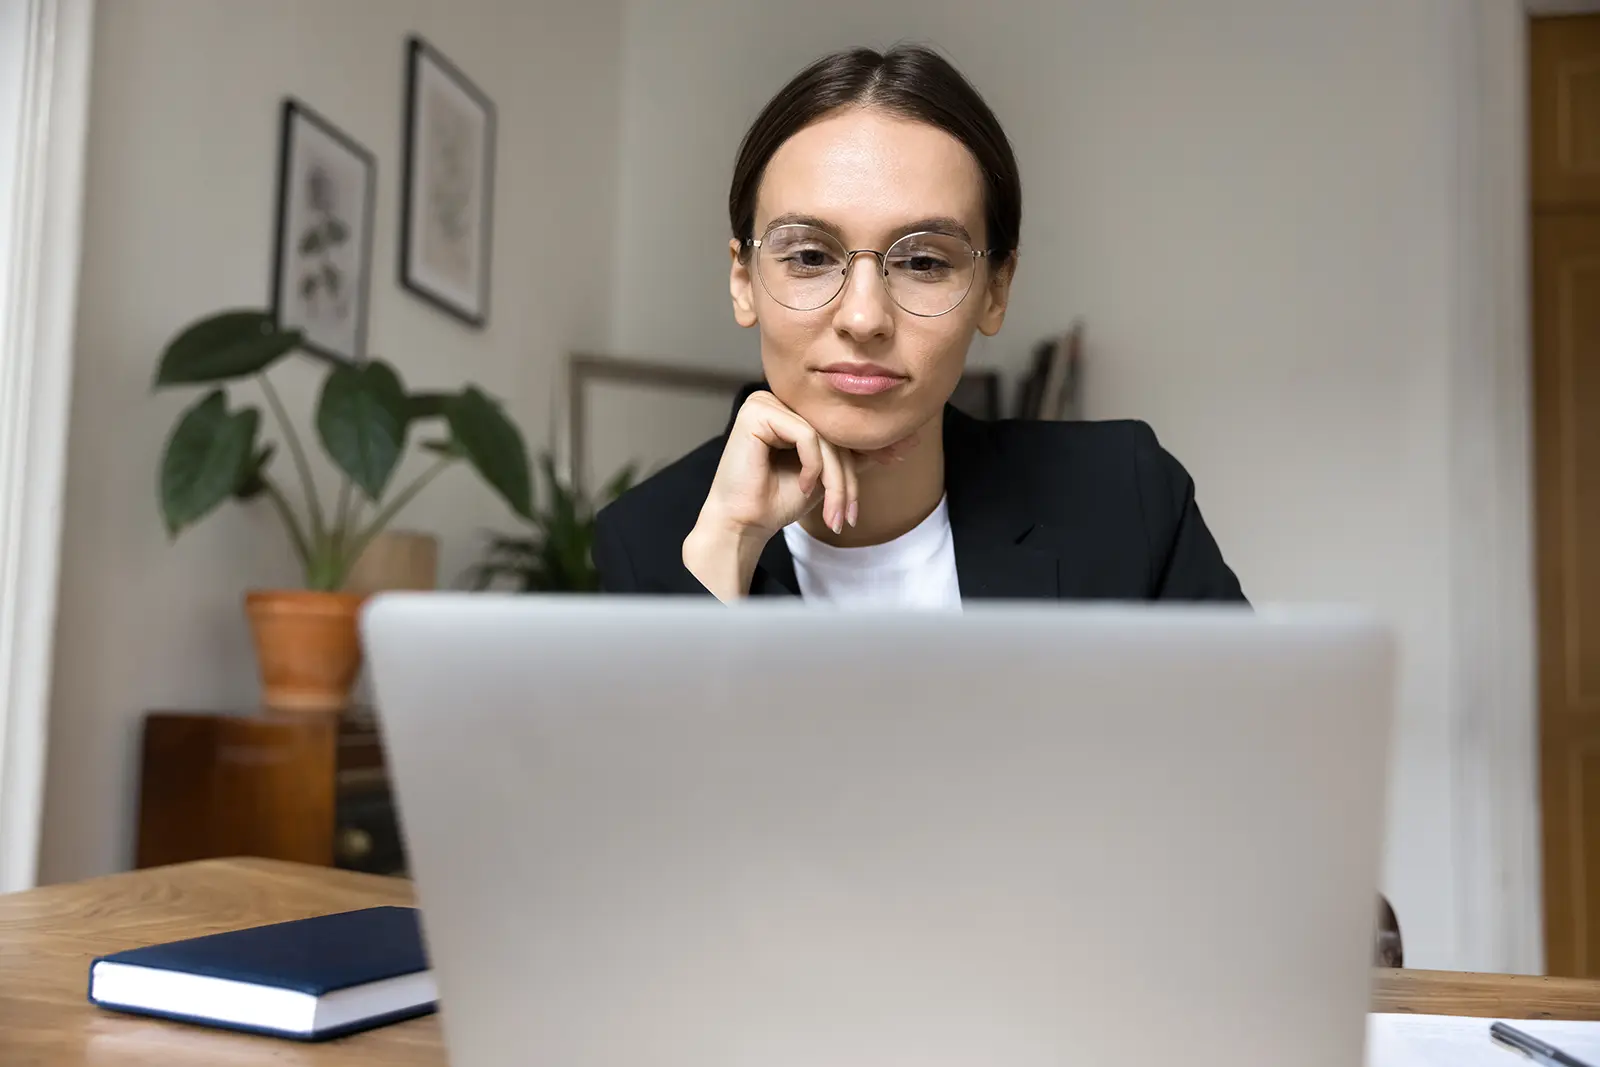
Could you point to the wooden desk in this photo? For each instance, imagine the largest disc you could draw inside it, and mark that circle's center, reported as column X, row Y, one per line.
column 47, row 937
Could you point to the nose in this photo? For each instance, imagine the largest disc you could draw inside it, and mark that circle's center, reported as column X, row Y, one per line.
column 864, row 312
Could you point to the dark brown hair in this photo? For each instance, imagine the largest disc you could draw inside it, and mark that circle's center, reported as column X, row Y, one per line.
column 908, row 80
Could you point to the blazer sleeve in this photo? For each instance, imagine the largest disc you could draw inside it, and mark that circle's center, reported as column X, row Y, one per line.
column 611, row 558
column 1185, row 561
column 630, row 563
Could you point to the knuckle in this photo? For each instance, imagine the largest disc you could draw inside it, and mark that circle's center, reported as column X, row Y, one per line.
column 756, row 404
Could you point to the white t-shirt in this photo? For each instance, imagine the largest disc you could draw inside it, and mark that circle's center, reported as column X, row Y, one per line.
column 916, row 569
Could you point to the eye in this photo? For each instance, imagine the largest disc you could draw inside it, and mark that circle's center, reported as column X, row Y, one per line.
column 802, row 251
column 809, row 258
column 921, row 264
column 936, row 258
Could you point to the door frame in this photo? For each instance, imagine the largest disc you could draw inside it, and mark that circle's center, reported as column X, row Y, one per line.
column 44, row 115
column 1495, row 831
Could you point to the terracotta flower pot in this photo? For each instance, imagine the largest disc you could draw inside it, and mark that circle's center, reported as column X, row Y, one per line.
column 308, row 647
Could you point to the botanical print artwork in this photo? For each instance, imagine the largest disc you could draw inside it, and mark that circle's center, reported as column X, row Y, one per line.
column 448, row 186
column 324, row 287
column 451, row 208
column 324, row 234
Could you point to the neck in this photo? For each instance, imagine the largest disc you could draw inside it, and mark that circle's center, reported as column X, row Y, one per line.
column 893, row 497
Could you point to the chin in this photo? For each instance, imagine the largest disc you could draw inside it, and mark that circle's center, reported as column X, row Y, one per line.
column 859, row 427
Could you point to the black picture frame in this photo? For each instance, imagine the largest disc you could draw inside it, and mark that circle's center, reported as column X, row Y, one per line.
column 449, row 162
column 588, row 370
column 323, row 225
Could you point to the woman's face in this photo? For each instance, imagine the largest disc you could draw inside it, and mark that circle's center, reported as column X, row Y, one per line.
column 862, row 370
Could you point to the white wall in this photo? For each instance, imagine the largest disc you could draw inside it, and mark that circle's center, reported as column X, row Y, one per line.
column 1493, row 704
column 1250, row 202
column 1256, row 205
column 181, row 172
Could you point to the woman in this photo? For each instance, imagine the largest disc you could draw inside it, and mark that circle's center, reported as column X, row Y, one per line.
column 875, row 208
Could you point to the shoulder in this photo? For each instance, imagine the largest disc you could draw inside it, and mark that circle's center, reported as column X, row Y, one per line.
column 1112, row 493
column 1072, row 440
column 1075, row 463
column 1109, row 480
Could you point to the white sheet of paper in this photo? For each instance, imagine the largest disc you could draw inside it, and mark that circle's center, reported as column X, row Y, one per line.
column 1395, row 1040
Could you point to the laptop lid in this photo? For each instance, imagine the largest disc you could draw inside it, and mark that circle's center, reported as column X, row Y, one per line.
column 677, row 834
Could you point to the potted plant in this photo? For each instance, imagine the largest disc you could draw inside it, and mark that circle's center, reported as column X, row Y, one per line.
column 306, row 639
column 556, row 554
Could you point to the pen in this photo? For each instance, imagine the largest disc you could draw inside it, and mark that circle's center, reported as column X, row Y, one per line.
column 1532, row 1047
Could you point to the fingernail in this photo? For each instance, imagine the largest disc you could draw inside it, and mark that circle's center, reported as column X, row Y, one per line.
column 855, row 511
column 838, row 522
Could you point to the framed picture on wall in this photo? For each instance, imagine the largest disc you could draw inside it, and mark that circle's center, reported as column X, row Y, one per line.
column 322, row 259
column 447, row 186
column 642, row 413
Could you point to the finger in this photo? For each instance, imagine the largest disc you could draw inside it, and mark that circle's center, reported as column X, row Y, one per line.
column 834, row 501
column 852, row 488
column 813, row 459
column 781, row 428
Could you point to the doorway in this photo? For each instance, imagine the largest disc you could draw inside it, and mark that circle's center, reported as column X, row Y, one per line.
column 1564, row 188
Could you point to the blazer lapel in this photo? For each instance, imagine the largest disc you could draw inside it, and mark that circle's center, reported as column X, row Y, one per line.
column 775, row 570
column 1000, row 554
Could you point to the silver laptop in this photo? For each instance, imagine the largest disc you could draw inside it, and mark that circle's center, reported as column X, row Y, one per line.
column 668, row 833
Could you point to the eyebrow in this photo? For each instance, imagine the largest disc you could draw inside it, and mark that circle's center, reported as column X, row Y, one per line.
column 933, row 224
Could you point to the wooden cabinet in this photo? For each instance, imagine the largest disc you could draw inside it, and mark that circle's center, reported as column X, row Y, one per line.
column 307, row 788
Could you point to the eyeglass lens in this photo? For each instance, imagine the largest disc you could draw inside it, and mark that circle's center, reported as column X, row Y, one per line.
column 804, row 268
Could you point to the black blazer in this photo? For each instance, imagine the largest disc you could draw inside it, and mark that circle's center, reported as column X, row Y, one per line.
column 1053, row 510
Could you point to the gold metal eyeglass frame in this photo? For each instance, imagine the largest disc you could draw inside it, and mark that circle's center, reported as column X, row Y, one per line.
column 883, row 270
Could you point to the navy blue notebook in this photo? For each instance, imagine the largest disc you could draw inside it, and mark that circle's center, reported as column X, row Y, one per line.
column 310, row 979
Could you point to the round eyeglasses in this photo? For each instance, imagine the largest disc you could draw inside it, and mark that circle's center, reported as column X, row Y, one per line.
column 926, row 274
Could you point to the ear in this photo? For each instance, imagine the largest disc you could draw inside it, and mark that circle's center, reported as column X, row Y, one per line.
column 996, row 296
column 740, row 287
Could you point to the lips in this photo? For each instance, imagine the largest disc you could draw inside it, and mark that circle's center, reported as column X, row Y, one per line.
column 861, row 379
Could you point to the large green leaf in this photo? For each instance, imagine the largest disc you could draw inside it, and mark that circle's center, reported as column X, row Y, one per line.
column 362, row 419
column 443, row 448
column 252, row 482
column 220, row 347
column 563, row 512
column 493, row 445
column 427, row 405
column 206, row 459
